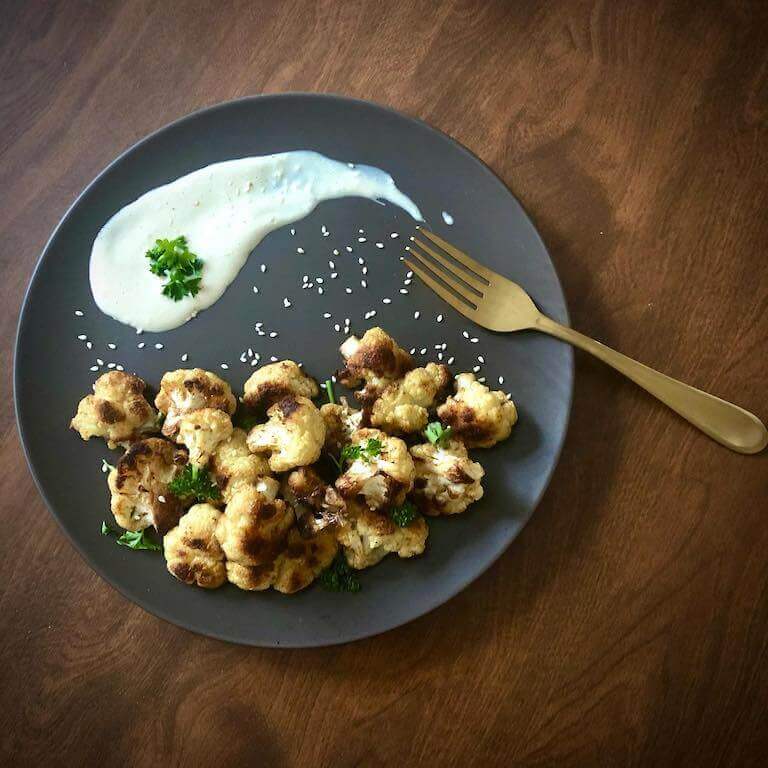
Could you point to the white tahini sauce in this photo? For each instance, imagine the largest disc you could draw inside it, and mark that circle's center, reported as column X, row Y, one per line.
column 224, row 210
column 447, row 218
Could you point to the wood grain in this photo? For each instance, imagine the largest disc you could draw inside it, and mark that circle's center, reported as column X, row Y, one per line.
column 628, row 625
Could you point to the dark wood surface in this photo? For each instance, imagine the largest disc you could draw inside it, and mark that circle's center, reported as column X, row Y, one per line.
column 628, row 624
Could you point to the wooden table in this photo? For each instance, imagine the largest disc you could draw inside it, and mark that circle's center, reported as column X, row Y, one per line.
column 628, row 624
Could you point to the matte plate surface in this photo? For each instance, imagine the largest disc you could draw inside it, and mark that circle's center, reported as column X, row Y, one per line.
column 52, row 366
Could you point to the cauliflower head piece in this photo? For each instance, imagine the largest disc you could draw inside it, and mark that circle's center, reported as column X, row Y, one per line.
column 303, row 560
column 316, row 504
column 233, row 466
column 404, row 405
column 202, row 432
column 447, row 481
column 293, row 436
column 139, row 485
column 367, row 536
column 275, row 381
column 376, row 359
column 478, row 417
column 187, row 390
column 341, row 422
column 383, row 472
column 117, row 410
column 192, row 551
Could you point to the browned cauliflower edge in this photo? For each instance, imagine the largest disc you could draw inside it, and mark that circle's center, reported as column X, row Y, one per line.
column 275, row 381
column 192, row 550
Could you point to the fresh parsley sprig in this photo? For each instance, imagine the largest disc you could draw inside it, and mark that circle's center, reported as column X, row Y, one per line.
column 353, row 451
column 193, row 482
column 132, row 539
column 339, row 577
column 174, row 260
column 403, row 515
column 437, row 434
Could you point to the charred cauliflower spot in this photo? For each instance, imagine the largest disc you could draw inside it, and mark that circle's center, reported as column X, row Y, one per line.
column 293, row 436
column 376, row 359
column 192, row 551
column 139, row 485
column 252, row 531
column 275, row 381
column 184, row 391
column 233, row 466
column 379, row 477
column 367, row 536
column 341, row 422
column 117, row 410
column 303, row 560
column 316, row 504
column 404, row 405
column 478, row 417
column 447, row 480
column 202, row 432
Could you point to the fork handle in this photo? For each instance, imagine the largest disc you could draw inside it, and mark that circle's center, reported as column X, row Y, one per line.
column 724, row 422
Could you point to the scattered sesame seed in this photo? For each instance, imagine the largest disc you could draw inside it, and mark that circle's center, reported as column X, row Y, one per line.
column 465, row 334
column 416, row 315
column 334, row 275
column 273, row 334
column 333, row 378
column 88, row 345
column 258, row 326
column 320, row 290
column 250, row 352
column 99, row 361
column 348, row 290
column 394, row 235
column 450, row 360
column 158, row 346
column 361, row 231
column 335, row 251
column 78, row 313
column 386, row 301
column 348, row 248
column 379, row 245
column 184, row 357
column 407, row 281
column 337, row 327
column 364, row 283
column 82, row 337
column 323, row 229
column 404, row 291
column 332, row 265
column 94, row 367
column 255, row 289
column 475, row 369
column 119, row 368
column 298, row 250
column 259, row 332
column 439, row 318
column 480, row 359
column 224, row 367
column 139, row 331
column 482, row 379
column 501, row 379
column 438, row 346
column 364, row 270
column 111, row 345
column 310, row 285
column 263, row 267
column 286, row 303
column 305, row 278
column 443, row 346
column 110, row 365
column 439, row 355
column 423, row 351
column 161, row 498
column 254, row 363
column 412, row 351
column 409, row 274
column 474, row 340
column 242, row 357
column 272, row 359
column 141, row 345
column 326, row 315
column 293, row 231
column 319, row 280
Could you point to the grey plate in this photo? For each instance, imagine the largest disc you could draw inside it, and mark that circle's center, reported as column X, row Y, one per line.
column 52, row 366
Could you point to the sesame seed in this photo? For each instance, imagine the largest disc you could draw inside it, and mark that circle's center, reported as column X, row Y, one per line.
column 361, row 231
column 293, row 231
column 335, row 251
column 161, row 498
column 439, row 355
column 474, row 340
column 334, row 275
column 386, row 301
column 272, row 359
column 99, row 361
column 184, row 357
column 361, row 261
column 333, row 378
column 286, row 303
column 379, row 245
column 258, row 326
column 310, row 285
column 476, row 369
column 111, row 345
column 348, row 290
column 443, row 346
column 255, row 289
column 254, row 363
column 119, row 368
column 141, row 345
column 438, row 346
column 78, row 313
column 412, row 351
column 319, row 280
column 259, row 332
column 364, row 283
column 404, row 290
column 88, row 345
column 337, row 327
column 501, row 379
column 263, row 267
column 273, row 334
column 409, row 274
column 450, row 360
column 323, row 229
column 298, row 250
column 224, row 367
column 348, row 248
column 139, row 331
column 394, row 235
column 465, row 334
column 364, row 270
column 94, row 367
column 416, row 315
column 423, row 351
column 158, row 346
column 110, row 365
column 482, row 379
column 250, row 352
column 242, row 357
column 480, row 359
column 332, row 265
column 407, row 281
column 305, row 278
column 320, row 290
column 82, row 337
column 326, row 315
column 439, row 318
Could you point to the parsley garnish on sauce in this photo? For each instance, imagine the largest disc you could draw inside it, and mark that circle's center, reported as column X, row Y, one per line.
column 339, row 577
column 437, row 434
column 194, row 482
column 173, row 259
column 131, row 539
column 403, row 515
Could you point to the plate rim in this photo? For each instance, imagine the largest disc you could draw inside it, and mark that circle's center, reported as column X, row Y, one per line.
column 34, row 276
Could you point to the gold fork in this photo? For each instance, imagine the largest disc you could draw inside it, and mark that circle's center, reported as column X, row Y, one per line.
column 498, row 304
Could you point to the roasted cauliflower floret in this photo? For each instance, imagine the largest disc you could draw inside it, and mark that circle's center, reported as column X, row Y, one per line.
column 202, row 432
column 293, row 436
column 275, row 381
column 117, row 410
column 478, row 417
column 404, row 405
column 303, row 560
column 234, row 466
column 382, row 473
column 340, row 422
column 252, row 532
column 376, row 359
column 139, row 485
column 192, row 551
column 447, row 480
column 184, row 391
column 316, row 504
column 367, row 536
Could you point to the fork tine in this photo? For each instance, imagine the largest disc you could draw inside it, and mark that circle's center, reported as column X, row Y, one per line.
column 454, row 285
column 457, row 304
column 460, row 256
column 468, row 277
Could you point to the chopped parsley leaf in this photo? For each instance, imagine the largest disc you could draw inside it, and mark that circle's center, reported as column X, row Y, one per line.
column 403, row 515
column 437, row 434
column 353, row 451
column 194, row 482
column 339, row 577
column 173, row 259
column 131, row 539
